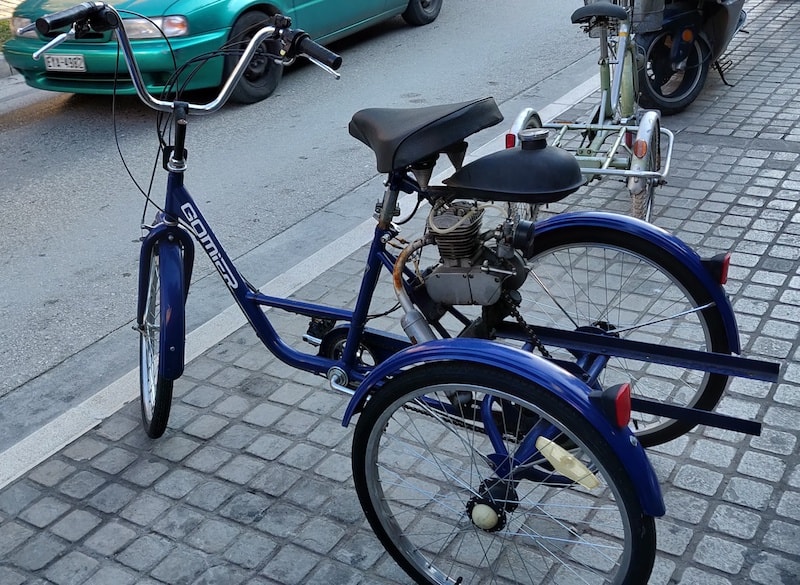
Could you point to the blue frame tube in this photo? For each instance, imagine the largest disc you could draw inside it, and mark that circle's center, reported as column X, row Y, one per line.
column 180, row 206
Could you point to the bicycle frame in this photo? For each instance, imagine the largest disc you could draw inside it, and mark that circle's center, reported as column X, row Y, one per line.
column 181, row 224
column 180, row 208
column 606, row 145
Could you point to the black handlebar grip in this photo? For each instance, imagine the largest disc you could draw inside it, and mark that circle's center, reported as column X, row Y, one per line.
column 320, row 53
column 50, row 22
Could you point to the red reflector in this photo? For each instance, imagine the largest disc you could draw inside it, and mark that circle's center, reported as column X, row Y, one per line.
column 687, row 35
column 723, row 273
column 640, row 148
column 622, row 406
column 511, row 140
column 718, row 266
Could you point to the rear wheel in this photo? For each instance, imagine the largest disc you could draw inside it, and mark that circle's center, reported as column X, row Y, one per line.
column 614, row 283
column 662, row 88
column 451, row 506
column 263, row 73
column 643, row 188
column 155, row 391
column 526, row 211
column 422, row 12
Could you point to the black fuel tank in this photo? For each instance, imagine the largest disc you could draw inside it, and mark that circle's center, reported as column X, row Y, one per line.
column 534, row 173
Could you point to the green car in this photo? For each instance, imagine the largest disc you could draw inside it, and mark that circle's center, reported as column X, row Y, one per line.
column 192, row 28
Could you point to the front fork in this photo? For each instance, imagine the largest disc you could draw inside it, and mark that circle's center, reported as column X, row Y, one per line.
column 176, row 259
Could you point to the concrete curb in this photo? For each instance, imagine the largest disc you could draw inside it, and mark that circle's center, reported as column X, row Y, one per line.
column 5, row 69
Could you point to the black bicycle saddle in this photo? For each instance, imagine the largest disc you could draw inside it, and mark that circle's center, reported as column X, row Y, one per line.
column 599, row 9
column 402, row 136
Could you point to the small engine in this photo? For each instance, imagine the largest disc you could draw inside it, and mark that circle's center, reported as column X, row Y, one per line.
column 474, row 267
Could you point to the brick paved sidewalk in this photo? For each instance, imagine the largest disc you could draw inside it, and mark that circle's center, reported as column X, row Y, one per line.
column 251, row 483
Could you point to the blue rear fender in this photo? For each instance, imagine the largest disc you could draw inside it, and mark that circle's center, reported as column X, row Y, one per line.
column 539, row 371
column 671, row 246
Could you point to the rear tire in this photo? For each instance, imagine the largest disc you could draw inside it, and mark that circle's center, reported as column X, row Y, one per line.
column 526, row 211
column 660, row 87
column 422, row 12
column 263, row 73
column 609, row 280
column 642, row 195
column 422, row 469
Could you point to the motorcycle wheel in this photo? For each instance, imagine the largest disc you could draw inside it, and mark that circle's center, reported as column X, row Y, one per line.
column 660, row 87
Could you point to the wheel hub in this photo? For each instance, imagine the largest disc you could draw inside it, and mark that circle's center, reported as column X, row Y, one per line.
column 488, row 510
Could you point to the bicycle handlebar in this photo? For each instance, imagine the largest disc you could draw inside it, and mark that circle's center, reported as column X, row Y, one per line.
column 100, row 16
column 83, row 11
column 316, row 52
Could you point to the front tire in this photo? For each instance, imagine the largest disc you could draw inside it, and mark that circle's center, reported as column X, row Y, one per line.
column 263, row 73
column 155, row 391
column 422, row 12
column 428, row 478
column 660, row 87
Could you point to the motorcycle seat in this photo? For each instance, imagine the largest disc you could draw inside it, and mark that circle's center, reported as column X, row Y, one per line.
column 599, row 9
column 400, row 137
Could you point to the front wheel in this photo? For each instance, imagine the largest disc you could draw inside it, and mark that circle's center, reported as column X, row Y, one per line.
column 162, row 322
column 422, row 12
column 452, row 505
column 264, row 72
column 660, row 86
column 615, row 283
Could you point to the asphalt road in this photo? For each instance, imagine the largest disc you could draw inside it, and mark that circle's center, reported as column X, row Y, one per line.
column 70, row 218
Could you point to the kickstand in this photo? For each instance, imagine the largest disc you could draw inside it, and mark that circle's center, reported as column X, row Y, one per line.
column 721, row 69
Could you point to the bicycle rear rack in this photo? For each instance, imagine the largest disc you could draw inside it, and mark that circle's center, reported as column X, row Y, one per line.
column 613, row 160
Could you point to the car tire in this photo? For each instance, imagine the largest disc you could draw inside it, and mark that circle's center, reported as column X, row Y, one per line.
column 263, row 74
column 422, row 12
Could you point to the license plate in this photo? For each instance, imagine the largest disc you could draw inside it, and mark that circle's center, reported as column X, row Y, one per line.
column 64, row 63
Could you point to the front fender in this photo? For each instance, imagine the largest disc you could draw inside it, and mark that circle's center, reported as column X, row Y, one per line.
column 539, row 371
column 176, row 253
column 670, row 244
column 685, row 15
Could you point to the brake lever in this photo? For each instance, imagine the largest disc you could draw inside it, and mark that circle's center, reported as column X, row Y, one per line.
column 26, row 29
column 324, row 67
column 55, row 42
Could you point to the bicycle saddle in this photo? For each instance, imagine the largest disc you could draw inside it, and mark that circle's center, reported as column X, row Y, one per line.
column 599, row 9
column 402, row 136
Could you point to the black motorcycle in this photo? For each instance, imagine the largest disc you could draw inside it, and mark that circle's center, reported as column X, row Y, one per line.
column 675, row 55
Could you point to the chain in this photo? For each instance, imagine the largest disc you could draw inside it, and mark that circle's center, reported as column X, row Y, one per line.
column 513, row 307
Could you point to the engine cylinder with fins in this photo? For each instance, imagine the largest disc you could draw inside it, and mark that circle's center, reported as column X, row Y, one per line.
column 456, row 231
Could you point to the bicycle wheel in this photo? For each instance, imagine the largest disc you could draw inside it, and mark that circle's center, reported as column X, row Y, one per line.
column 426, row 480
column 526, row 211
column 643, row 189
column 662, row 88
column 614, row 283
column 155, row 391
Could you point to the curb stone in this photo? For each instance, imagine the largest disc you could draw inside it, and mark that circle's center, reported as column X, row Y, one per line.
column 5, row 69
